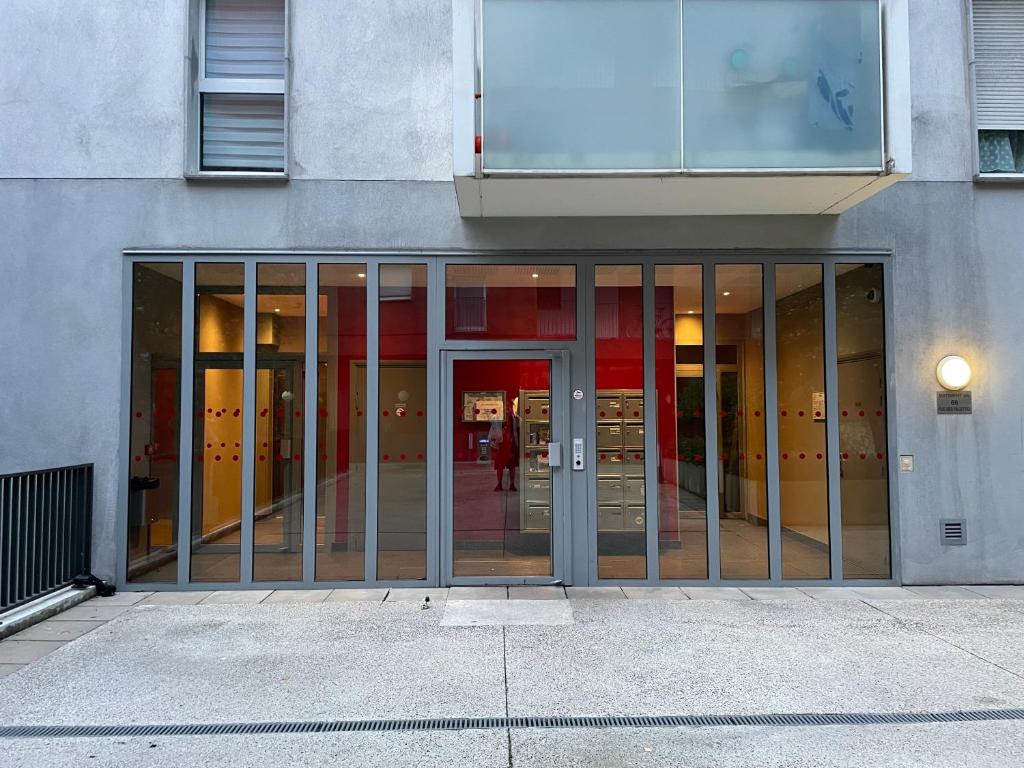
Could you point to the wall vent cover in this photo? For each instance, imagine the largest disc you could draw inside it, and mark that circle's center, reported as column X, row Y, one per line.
column 953, row 532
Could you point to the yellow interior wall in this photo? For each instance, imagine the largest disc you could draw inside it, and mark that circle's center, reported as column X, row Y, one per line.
column 222, row 480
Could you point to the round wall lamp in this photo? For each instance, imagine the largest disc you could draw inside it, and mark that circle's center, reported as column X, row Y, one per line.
column 953, row 372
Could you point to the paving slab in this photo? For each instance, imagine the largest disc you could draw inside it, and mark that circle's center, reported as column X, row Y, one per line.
column 56, row 629
column 90, row 610
column 176, row 598
column 654, row 593
column 496, row 613
column 283, row 661
column 436, row 594
column 775, row 593
column 595, row 593
column 830, row 593
column 991, row 629
column 749, row 657
column 478, row 593
column 959, row 745
column 715, row 593
column 345, row 595
column 237, row 596
column 536, row 593
column 123, row 598
column 24, row 651
column 1001, row 591
column 298, row 596
column 9, row 669
column 436, row 749
column 946, row 593
column 886, row 593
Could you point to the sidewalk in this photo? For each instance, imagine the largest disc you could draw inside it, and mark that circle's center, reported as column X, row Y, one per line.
column 240, row 657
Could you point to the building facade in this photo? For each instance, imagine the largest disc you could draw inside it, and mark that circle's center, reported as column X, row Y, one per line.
column 514, row 240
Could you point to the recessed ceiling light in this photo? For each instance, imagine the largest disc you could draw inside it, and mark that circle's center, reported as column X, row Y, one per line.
column 689, row 312
column 727, row 293
column 535, row 275
column 277, row 309
column 361, row 274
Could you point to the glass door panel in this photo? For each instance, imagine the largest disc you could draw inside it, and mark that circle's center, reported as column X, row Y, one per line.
column 501, row 502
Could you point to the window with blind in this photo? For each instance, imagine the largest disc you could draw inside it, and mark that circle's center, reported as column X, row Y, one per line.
column 999, row 85
column 239, row 97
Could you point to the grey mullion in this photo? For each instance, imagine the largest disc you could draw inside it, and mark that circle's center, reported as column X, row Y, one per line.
column 248, row 424
column 446, row 568
column 651, row 495
column 435, row 335
column 832, row 450
column 711, row 423
column 771, row 424
column 310, row 414
column 186, row 417
column 891, row 407
column 372, row 418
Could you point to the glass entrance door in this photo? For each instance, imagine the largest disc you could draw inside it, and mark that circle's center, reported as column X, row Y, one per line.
column 504, row 491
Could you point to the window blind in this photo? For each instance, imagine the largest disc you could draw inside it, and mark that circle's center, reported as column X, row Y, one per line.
column 245, row 39
column 243, row 132
column 999, row 64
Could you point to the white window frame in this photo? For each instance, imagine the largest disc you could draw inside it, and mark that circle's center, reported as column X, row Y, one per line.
column 197, row 84
column 1017, row 178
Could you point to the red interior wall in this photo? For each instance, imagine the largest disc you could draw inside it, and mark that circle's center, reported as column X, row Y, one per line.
column 515, row 313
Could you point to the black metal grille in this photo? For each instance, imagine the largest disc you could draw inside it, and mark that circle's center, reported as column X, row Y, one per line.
column 45, row 531
column 502, row 723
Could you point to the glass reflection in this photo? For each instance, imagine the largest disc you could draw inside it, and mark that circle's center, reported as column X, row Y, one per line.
column 155, row 423
column 863, row 445
column 402, row 448
column 280, row 406
column 217, row 431
column 341, row 423
column 742, row 491
column 619, row 377
column 803, row 469
column 682, row 457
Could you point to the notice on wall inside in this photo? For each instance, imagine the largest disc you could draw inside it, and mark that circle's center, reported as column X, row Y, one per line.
column 483, row 406
column 953, row 403
column 818, row 405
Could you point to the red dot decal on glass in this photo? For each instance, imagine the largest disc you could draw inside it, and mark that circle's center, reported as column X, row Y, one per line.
column 817, row 414
column 236, row 412
column 544, row 455
column 217, row 457
column 800, row 414
column 235, row 457
column 784, row 413
column 601, row 457
column 263, row 412
column 743, row 456
column 636, row 414
column 819, row 456
column 863, row 455
column 878, row 456
column 199, row 457
column 602, row 413
column 757, row 414
column 359, row 413
column 698, row 456
column 476, row 411
column 385, row 457
column 696, row 414
column 543, row 411
column 785, row 456
column 845, row 455
column 878, row 413
column 638, row 456
column 209, row 445
column 138, row 458
column 223, row 445
column 209, row 410
column 297, row 457
column 803, row 455
column 323, row 413
column 739, row 413
column 419, row 413
column 238, row 445
column 401, row 456
column 298, row 414
column 724, row 456
column 419, row 456
column 862, row 413
column 494, row 410
column 846, row 413
column 528, row 410
column 262, row 457
column 138, row 414
column 323, row 457
column 388, row 414
column 618, row 413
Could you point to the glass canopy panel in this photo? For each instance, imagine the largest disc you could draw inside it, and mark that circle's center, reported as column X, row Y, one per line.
column 581, row 85
column 782, row 84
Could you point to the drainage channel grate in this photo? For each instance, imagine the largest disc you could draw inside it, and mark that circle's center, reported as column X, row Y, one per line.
column 501, row 723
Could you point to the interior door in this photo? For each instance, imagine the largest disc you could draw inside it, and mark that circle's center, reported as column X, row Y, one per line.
column 504, row 502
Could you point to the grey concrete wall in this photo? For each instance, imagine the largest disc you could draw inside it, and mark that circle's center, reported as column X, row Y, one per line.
column 90, row 160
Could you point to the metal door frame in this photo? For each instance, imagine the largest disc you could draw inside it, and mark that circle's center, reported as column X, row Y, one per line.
column 560, row 486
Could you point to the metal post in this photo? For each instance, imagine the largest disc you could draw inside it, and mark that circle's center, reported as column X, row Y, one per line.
column 832, row 449
column 711, row 424
column 771, row 425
